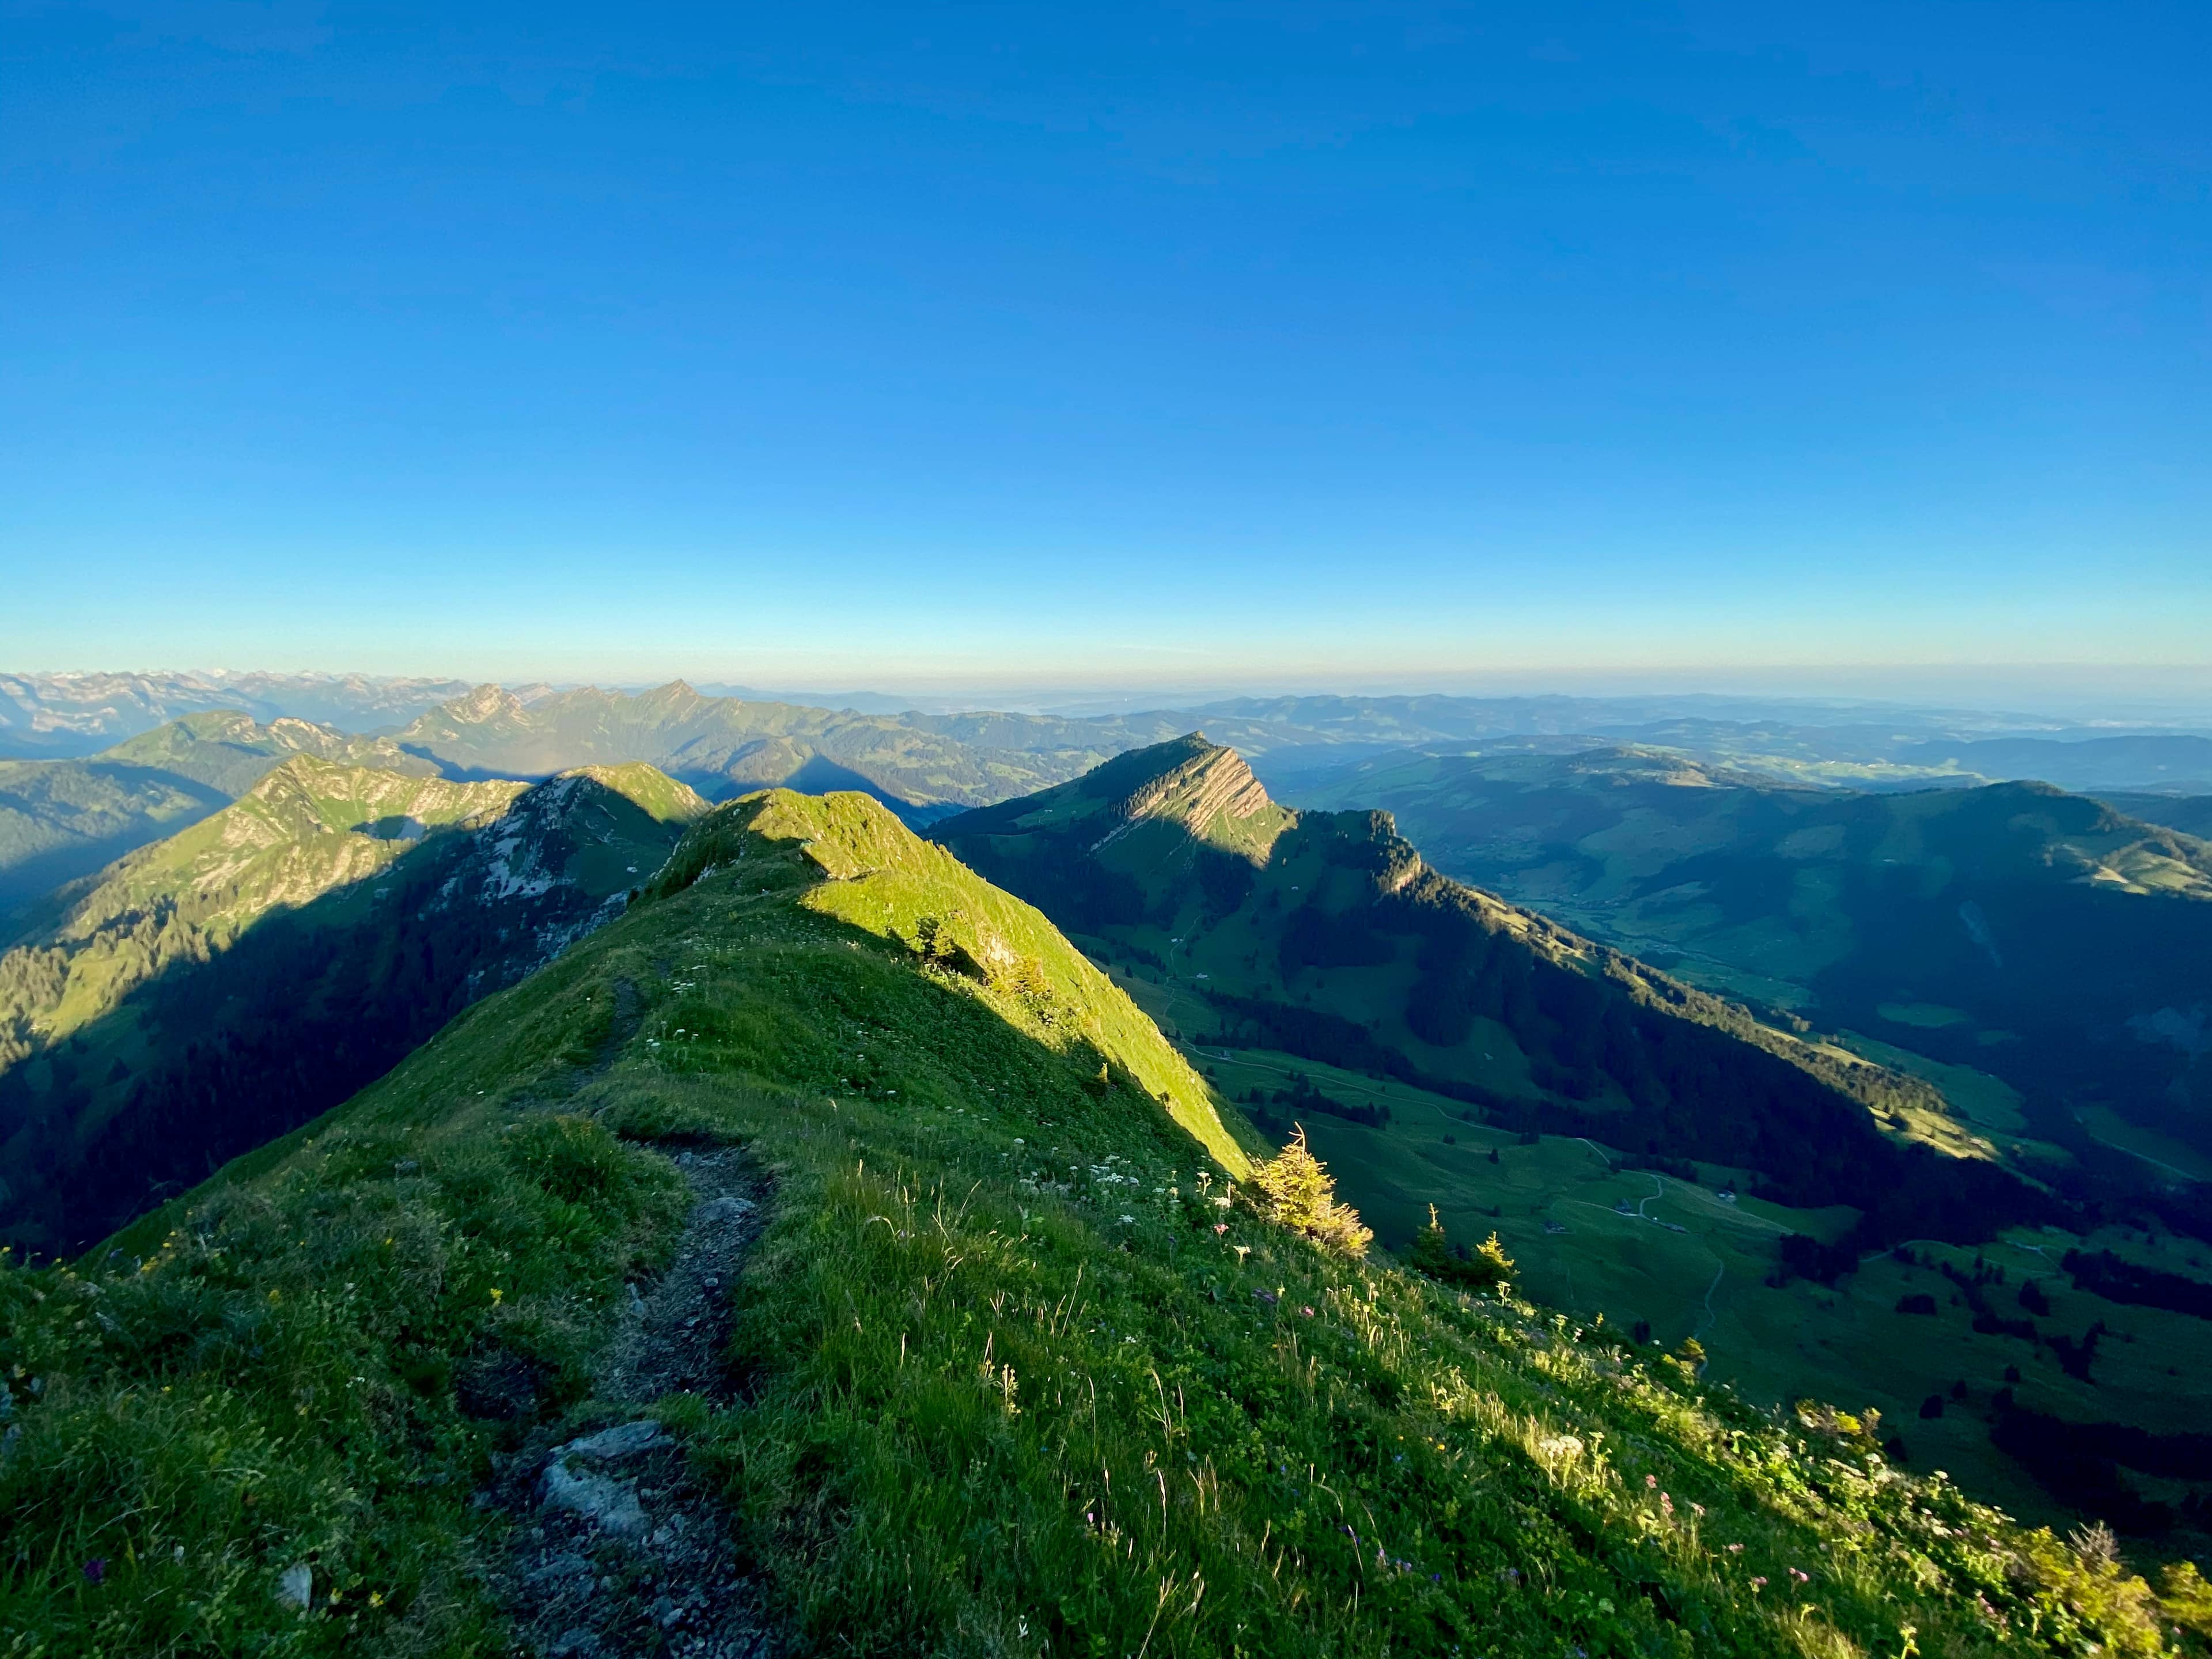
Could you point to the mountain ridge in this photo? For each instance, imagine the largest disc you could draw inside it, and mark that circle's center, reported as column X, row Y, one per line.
column 218, row 986
column 1948, row 922
column 1424, row 967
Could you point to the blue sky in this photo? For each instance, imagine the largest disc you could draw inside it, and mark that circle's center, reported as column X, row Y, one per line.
column 1317, row 345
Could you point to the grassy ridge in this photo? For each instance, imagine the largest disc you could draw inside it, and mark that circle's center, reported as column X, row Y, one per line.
column 1017, row 1380
column 61, row 819
column 226, row 984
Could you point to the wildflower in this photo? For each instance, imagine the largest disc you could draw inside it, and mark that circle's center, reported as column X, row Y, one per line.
column 96, row 1569
column 1697, row 1510
column 1650, row 1481
column 1735, row 1549
column 1219, row 1228
column 1756, row 1585
column 1801, row 1577
column 496, row 1294
column 1309, row 1313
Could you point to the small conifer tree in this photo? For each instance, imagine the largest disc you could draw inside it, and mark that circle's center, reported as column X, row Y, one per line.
column 1488, row 1268
column 1295, row 1189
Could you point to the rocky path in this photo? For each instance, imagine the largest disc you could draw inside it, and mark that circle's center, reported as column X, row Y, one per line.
column 617, row 1551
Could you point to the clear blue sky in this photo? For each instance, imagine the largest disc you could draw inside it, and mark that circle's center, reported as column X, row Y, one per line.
column 1313, row 344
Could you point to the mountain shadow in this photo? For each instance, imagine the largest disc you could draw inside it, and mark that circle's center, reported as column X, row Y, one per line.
column 197, row 1005
column 2042, row 938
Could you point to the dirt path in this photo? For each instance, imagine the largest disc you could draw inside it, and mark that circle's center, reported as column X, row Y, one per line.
column 617, row 1551
column 1707, row 1323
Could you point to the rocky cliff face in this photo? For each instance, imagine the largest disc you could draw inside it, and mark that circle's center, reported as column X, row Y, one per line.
column 1211, row 786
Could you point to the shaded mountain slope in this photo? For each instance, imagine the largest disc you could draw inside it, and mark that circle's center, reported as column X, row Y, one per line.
column 2191, row 814
column 1324, row 935
column 2041, row 937
column 1009, row 1379
column 60, row 819
column 215, row 989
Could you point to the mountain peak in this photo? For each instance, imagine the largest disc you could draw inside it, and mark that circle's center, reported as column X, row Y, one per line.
column 1198, row 784
column 485, row 703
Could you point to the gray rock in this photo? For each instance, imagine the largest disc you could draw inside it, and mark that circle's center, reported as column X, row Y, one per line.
column 625, row 1441
column 609, row 1504
column 550, row 1574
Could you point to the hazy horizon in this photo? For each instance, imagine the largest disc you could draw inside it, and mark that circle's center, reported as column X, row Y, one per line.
column 2091, row 694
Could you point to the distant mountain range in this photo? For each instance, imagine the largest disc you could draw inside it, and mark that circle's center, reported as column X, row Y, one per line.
column 923, row 760
column 922, row 765
column 60, row 819
column 2046, row 938
column 216, row 988
column 59, row 716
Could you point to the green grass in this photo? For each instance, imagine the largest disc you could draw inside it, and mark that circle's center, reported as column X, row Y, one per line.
column 1010, row 1391
column 1774, row 1345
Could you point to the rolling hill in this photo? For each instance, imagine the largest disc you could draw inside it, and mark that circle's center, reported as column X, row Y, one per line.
column 2041, row 937
column 824, row 1255
column 213, row 989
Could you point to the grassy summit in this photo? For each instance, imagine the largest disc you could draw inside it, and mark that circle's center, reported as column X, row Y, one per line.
column 1007, row 1374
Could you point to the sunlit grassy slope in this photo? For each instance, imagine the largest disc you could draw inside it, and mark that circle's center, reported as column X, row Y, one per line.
column 229, row 982
column 1015, row 1381
column 61, row 819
